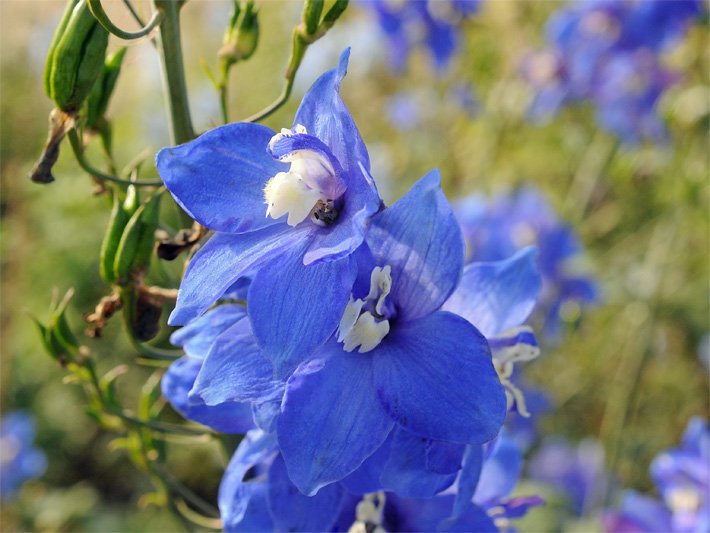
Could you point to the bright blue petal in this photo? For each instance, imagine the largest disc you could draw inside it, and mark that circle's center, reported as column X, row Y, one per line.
column 366, row 478
column 229, row 417
column 420, row 239
column 471, row 518
column 427, row 515
column 223, row 260
column 444, row 457
column 325, row 116
column 234, row 492
column 295, row 308
column 256, row 517
column 331, row 420
column 415, row 383
column 197, row 337
column 236, row 370
column 406, row 472
column 219, row 178
column 499, row 295
column 468, row 478
column 292, row 511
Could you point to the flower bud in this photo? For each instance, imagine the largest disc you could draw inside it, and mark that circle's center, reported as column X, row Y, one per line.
column 100, row 94
column 242, row 35
column 76, row 57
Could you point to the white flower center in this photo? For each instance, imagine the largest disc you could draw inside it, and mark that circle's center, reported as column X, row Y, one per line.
column 367, row 328
column 298, row 191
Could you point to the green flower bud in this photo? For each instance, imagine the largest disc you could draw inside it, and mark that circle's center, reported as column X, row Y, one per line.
column 312, row 10
column 137, row 240
column 76, row 58
column 242, row 35
column 97, row 101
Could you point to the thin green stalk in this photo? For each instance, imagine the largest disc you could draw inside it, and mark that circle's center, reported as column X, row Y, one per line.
column 173, row 72
column 98, row 11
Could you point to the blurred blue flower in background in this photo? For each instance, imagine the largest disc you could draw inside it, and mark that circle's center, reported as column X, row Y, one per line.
column 682, row 477
column 422, row 23
column 607, row 51
column 497, row 228
column 577, row 472
column 19, row 459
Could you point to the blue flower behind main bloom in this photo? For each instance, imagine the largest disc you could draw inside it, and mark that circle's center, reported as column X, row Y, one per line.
column 497, row 228
column 19, row 459
column 607, row 51
column 292, row 229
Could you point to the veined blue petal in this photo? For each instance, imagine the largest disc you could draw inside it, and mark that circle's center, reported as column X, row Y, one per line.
column 331, row 420
column 236, row 370
column 292, row 511
column 234, row 492
column 325, row 116
column 219, row 178
column 420, row 239
column 223, row 260
column 228, row 417
column 366, row 478
column 413, row 375
column 266, row 414
column 406, row 472
column 499, row 295
column 294, row 308
column 197, row 337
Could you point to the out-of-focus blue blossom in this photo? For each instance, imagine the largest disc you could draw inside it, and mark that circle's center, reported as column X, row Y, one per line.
column 704, row 351
column 290, row 228
column 19, row 459
column 607, row 52
column 412, row 108
column 578, row 472
column 422, row 23
column 497, row 228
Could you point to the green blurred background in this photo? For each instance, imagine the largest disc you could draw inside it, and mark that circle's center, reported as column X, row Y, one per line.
column 627, row 373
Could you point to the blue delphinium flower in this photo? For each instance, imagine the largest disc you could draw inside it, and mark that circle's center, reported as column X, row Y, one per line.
column 682, row 477
column 607, row 52
column 428, row 23
column 495, row 229
column 19, row 459
column 288, row 210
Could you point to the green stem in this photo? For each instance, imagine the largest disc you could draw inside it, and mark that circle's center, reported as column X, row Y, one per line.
column 174, row 85
column 78, row 150
column 98, row 11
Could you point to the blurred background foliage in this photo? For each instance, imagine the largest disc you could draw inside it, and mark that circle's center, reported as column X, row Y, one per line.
column 626, row 371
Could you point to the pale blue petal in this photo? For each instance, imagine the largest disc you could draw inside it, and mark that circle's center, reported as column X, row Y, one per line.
column 420, row 239
column 219, row 178
column 499, row 295
column 197, row 337
column 435, row 377
column 500, row 473
column 331, row 420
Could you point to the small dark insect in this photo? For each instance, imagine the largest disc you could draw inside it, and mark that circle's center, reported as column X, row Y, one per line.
column 324, row 213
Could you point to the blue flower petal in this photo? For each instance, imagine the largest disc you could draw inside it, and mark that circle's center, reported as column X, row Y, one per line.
column 471, row 518
column 228, row 417
column 500, row 472
column 366, row 478
column 292, row 511
column 266, row 414
column 468, row 478
column 256, row 516
column 295, row 308
column 219, row 178
column 236, row 370
column 223, row 260
column 444, row 457
column 331, row 420
column 420, row 239
column 499, row 295
column 197, row 337
column 413, row 375
column 234, row 492
column 406, row 473
column 325, row 116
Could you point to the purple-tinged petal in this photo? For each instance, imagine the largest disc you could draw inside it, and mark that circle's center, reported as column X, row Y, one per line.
column 256, row 516
column 413, row 366
column 406, row 473
column 420, row 239
column 366, row 478
column 471, row 518
column 431, row 514
column 234, row 492
column 223, row 260
column 444, row 457
column 228, row 417
column 236, row 370
column 519, row 506
column 219, row 178
column 639, row 513
column 266, row 414
column 325, row 116
column 331, row 420
column 295, row 308
column 292, row 511
column 499, row 295
column 197, row 337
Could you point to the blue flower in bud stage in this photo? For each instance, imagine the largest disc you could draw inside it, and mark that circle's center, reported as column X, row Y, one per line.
column 682, row 477
column 430, row 23
column 19, row 459
column 288, row 210
column 578, row 472
column 496, row 229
